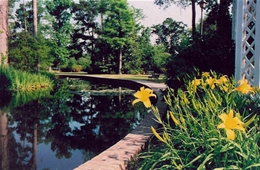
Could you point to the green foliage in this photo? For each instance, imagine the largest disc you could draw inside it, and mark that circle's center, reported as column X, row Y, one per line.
column 72, row 63
column 216, row 56
column 3, row 59
column 77, row 65
column 84, row 62
column 27, row 53
column 107, row 30
column 190, row 136
column 132, row 61
column 23, row 19
column 118, row 27
column 214, row 50
column 142, row 50
column 169, row 34
column 5, row 80
column 173, row 40
column 15, row 80
column 96, row 45
column 160, row 58
column 60, row 10
column 83, row 37
column 142, row 56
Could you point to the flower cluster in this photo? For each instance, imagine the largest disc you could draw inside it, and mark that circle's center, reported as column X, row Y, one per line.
column 222, row 82
column 212, row 82
column 212, row 124
column 229, row 122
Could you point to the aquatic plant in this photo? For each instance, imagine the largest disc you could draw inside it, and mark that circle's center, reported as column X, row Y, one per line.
column 15, row 80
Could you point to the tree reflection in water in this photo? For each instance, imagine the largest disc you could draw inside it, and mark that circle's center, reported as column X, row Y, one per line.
column 63, row 128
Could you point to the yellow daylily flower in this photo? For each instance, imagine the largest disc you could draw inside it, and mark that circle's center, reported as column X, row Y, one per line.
column 244, row 87
column 195, row 83
column 210, row 81
column 205, row 74
column 230, row 123
column 144, row 96
column 223, row 79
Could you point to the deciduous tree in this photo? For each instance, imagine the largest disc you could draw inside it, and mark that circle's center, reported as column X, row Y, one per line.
column 25, row 50
column 169, row 34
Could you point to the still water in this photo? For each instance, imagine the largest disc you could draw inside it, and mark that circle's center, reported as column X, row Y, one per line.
column 65, row 127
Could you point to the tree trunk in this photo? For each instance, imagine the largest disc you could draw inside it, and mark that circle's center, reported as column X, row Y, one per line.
column 120, row 61
column 193, row 22
column 35, row 27
column 3, row 32
column 24, row 19
column 34, row 18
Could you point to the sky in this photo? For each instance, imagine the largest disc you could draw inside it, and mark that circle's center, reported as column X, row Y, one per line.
column 156, row 15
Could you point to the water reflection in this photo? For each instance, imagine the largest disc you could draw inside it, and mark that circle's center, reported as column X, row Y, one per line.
column 63, row 128
column 4, row 141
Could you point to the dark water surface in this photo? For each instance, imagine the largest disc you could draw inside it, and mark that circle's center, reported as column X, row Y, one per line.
column 63, row 128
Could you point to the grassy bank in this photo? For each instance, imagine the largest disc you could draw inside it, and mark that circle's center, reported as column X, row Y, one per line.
column 14, row 80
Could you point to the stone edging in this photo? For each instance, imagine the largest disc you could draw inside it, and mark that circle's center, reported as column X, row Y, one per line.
column 117, row 156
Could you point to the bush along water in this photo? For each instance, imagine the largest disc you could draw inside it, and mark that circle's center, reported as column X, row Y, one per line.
column 213, row 124
column 15, row 80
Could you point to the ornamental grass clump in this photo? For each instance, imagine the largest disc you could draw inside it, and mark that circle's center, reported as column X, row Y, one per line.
column 213, row 124
column 22, row 81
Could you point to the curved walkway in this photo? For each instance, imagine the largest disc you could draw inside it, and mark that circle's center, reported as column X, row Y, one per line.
column 117, row 156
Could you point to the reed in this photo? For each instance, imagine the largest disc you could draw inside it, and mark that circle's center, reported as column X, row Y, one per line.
column 15, row 80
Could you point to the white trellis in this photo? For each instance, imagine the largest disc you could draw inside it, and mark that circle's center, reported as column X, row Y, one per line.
column 246, row 33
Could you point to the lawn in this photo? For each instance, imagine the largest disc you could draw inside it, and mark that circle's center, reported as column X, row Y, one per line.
column 120, row 76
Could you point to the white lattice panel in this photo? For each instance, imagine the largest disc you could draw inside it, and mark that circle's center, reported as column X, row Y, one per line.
column 247, row 39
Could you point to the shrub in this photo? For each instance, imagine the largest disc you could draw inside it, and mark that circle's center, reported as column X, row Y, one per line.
column 74, row 65
column 76, row 68
column 84, row 62
column 212, row 124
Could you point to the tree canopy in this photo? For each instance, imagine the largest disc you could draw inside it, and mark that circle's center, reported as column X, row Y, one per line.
column 106, row 36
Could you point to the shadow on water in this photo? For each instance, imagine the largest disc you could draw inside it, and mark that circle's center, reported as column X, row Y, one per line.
column 63, row 128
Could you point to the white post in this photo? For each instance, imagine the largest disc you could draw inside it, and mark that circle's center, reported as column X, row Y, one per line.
column 257, row 45
column 238, row 38
column 246, row 22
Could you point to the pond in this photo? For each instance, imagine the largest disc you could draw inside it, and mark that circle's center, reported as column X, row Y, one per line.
column 63, row 128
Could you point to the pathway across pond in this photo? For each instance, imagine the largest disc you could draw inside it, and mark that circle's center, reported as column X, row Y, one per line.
column 117, row 156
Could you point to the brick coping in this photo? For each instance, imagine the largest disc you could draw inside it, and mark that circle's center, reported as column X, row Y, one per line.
column 118, row 155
